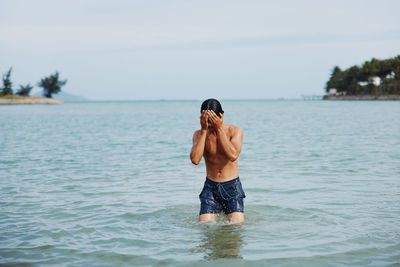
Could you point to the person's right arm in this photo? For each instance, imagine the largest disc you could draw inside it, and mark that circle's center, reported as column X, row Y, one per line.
column 199, row 140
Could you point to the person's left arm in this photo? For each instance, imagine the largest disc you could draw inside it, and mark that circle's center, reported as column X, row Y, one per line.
column 231, row 147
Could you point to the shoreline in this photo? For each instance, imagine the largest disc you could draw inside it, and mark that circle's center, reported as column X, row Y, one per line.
column 28, row 100
column 361, row 97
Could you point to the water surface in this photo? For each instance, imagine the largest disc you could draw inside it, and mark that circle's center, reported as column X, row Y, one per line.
column 111, row 183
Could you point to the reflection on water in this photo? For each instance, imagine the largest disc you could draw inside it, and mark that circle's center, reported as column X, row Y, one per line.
column 221, row 240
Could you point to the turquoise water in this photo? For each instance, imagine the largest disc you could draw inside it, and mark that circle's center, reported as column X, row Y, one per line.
column 111, row 183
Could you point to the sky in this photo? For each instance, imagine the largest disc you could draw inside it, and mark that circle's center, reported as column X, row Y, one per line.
column 169, row 49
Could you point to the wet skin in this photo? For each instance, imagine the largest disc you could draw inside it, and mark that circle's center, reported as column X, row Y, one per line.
column 220, row 145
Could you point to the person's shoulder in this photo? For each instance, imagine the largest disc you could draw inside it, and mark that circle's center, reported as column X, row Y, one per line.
column 197, row 132
column 233, row 128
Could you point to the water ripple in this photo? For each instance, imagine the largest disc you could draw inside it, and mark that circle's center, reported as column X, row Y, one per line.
column 92, row 184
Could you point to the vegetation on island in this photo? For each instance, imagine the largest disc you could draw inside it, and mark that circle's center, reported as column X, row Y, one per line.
column 50, row 84
column 24, row 90
column 7, row 84
column 374, row 77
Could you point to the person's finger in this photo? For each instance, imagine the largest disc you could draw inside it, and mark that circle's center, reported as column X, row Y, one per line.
column 213, row 115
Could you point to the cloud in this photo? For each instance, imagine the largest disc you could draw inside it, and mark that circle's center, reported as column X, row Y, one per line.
column 109, row 39
column 288, row 39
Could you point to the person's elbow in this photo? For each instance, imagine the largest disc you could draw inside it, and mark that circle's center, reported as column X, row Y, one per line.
column 194, row 160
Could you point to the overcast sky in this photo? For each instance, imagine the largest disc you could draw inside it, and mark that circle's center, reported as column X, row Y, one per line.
column 193, row 49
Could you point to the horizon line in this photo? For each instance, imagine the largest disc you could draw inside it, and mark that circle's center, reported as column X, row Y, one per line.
column 188, row 100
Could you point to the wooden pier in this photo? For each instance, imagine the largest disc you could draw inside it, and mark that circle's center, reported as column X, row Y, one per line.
column 311, row 97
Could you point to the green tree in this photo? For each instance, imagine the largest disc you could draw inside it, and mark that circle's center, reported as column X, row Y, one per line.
column 351, row 79
column 24, row 90
column 336, row 80
column 51, row 84
column 7, row 84
column 360, row 80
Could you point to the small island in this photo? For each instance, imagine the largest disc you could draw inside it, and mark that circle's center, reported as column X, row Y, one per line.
column 18, row 100
column 51, row 85
column 373, row 80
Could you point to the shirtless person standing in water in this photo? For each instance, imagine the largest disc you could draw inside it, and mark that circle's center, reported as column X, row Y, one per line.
column 220, row 144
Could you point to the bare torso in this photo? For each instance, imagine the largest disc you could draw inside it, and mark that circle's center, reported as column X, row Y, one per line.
column 219, row 167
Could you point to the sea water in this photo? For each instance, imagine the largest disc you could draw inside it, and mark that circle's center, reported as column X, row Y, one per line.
column 111, row 184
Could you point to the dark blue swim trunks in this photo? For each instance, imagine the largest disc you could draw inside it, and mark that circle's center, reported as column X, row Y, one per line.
column 226, row 196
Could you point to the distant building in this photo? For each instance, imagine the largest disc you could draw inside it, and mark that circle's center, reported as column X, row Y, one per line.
column 332, row 91
column 376, row 80
column 363, row 83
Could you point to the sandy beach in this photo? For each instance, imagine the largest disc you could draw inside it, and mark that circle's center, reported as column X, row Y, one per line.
column 28, row 100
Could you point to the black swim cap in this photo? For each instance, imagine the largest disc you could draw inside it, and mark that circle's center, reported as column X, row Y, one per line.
column 212, row 104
